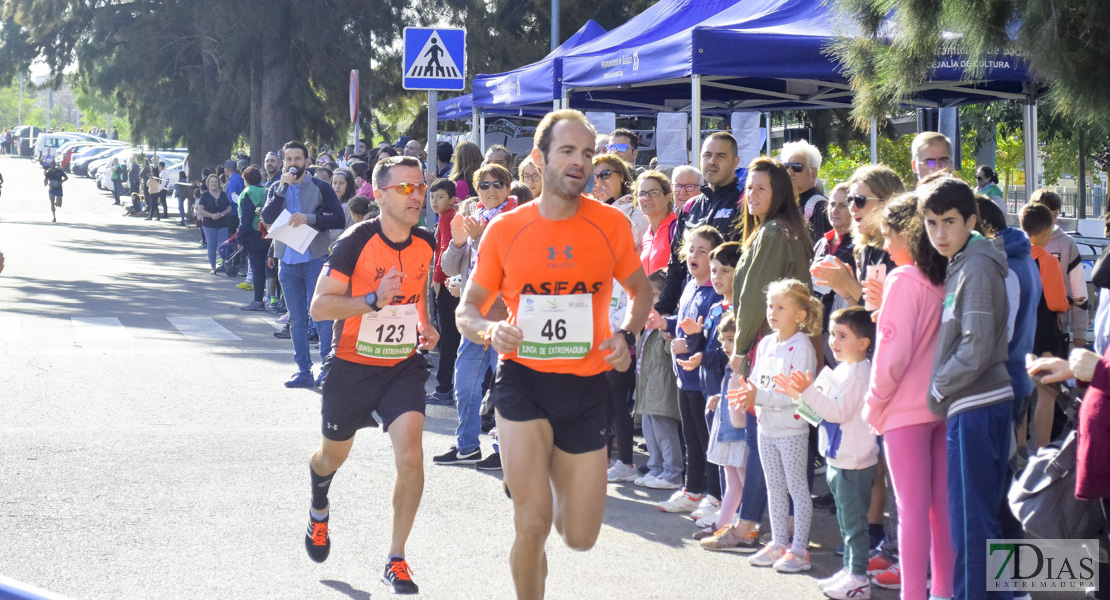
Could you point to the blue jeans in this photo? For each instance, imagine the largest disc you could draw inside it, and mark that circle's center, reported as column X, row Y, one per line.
column 214, row 236
column 978, row 453
column 298, row 283
column 117, row 190
column 754, row 502
column 470, row 370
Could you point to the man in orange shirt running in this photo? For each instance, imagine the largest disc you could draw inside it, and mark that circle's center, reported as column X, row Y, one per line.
column 554, row 261
column 375, row 288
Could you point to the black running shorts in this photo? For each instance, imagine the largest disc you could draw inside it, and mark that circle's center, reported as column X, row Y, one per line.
column 575, row 406
column 353, row 392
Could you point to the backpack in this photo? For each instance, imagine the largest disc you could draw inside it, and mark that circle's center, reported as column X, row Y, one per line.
column 1043, row 498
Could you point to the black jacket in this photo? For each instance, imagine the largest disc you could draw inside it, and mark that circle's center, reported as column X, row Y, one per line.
column 721, row 209
column 818, row 221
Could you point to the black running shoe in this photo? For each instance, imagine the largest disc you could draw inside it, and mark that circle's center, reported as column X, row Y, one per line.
column 398, row 576
column 490, row 463
column 317, row 540
column 454, row 457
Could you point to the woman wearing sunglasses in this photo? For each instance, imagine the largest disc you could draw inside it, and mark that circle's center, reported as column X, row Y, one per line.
column 986, row 183
column 613, row 186
column 491, row 183
column 868, row 190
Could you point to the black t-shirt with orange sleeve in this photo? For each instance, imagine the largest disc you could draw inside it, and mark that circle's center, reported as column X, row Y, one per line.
column 530, row 259
column 361, row 257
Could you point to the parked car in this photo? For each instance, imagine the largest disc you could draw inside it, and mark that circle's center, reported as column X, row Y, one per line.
column 66, row 152
column 80, row 164
column 51, row 142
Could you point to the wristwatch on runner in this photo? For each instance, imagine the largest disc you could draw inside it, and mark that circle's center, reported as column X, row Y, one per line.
column 372, row 301
column 629, row 338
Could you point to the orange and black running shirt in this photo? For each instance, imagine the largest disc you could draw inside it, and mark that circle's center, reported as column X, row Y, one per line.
column 556, row 278
column 361, row 258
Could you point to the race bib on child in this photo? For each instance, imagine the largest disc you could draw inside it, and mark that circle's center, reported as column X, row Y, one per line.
column 824, row 383
column 555, row 326
column 389, row 333
column 767, row 368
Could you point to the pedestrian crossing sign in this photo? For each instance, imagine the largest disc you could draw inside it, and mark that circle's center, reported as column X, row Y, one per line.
column 435, row 59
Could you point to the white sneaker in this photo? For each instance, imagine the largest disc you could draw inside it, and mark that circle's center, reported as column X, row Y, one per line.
column 768, row 556
column 679, row 502
column 792, row 563
column 622, row 472
column 709, row 505
column 710, row 521
column 823, row 584
column 852, row 587
column 662, row 483
column 643, row 480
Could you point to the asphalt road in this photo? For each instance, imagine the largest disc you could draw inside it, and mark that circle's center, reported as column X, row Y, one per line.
column 149, row 450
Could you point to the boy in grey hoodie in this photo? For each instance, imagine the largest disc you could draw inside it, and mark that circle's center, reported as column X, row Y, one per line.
column 970, row 383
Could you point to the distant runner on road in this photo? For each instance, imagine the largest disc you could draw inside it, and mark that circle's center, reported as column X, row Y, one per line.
column 53, row 179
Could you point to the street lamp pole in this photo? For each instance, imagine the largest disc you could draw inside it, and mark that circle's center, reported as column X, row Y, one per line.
column 554, row 24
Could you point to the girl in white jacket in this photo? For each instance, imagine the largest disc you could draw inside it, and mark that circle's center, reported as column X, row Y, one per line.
column 795, row 316
column 836, row 402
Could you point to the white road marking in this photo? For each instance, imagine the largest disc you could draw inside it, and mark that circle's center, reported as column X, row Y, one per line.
column 11, row 329
column 272, row 323
column 95, row 329
column 202, row 328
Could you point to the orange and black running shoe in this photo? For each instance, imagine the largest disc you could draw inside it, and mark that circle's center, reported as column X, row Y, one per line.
column 317, row 540
column 398, row 576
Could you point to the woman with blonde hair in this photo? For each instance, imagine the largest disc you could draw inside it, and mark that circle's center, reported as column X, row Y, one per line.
column 868, row 190
column 529, row 174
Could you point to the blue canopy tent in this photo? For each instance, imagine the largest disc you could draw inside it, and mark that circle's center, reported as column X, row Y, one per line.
column 537, row 83
column 541, row 83
column 766, row 55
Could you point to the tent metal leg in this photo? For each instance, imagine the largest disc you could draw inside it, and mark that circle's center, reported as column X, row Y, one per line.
column 767, row 140
column 474, row 125
column 482, row 131
column 1029, row 129
column 695, row 118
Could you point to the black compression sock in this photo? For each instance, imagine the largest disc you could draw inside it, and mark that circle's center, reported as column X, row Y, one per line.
column 320, row 487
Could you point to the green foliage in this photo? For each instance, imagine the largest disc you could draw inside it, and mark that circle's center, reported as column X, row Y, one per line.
column 841, row 161
column 1064, row 42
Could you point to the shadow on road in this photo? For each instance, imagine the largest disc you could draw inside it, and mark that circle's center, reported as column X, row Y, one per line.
column 345, row 588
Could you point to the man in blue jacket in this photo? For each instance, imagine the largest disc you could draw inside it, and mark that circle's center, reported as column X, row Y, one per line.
column 312, row 203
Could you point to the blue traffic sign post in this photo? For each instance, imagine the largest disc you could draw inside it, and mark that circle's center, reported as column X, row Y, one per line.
column 435, row 59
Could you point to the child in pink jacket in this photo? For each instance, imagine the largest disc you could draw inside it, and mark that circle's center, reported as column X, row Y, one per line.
column 913, row 437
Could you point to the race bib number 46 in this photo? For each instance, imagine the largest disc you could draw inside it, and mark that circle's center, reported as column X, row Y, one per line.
column 389, row 333
column 555, row 326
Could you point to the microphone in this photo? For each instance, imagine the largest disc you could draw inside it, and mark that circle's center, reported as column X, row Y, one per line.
column 285, row 186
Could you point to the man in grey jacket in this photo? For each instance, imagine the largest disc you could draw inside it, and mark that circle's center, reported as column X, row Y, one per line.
column 971, row 386
column 312, row 203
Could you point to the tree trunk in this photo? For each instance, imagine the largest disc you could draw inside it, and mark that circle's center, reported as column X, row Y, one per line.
column 258, row 151
column 212, row 145
column 277, row 58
